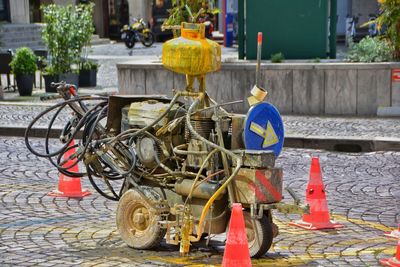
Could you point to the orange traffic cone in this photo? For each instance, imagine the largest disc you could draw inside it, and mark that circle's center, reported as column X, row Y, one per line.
column 394, row 233
column 69, row 186
column 236, row 252
column 318, row 218
column 395, row 261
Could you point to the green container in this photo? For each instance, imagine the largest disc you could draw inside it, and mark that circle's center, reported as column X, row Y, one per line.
column 296, row 28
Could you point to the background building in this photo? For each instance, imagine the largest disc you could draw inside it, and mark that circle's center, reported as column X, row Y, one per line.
column 25, row 16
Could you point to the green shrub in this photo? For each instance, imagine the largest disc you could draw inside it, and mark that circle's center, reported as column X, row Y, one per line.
column 89, row 65
column 370, row 50
column 277, row 58
column 24, row 61
column 316, row 60
column 390, row 18
column 49, row 70
column 68, row 30
column 189, row 11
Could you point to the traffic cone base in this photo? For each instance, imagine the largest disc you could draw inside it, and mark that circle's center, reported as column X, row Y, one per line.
column 395, row 261
column 69, row 186
column 394, row 233
column 319, row 217
column 236, row 252
column 316, row 226
column 57, row 193
column 392, row 262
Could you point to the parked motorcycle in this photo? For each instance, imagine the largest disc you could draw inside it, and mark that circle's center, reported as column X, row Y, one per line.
column 138, row 31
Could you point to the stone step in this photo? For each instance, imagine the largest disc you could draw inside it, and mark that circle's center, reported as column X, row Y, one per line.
column 13, row 36
column 96, row 40
column 21, row 38
column 31, row 45
column 9, row 28
column 14, row 47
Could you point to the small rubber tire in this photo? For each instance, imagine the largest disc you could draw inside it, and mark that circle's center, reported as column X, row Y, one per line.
column 140, row 235
column 149, row 40
column 263, row 230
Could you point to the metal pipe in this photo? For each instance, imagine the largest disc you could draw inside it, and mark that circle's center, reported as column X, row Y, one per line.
column 178, row 151
column 258, row 68
column 200, row 228
column 199, row 173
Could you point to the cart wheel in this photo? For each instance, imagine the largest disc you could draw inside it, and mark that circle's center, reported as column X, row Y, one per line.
column 259, row 234
column 137, row 219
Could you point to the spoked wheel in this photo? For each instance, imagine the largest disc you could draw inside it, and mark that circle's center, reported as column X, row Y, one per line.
column 148, row 39
column 259, row 234
column 137, row 220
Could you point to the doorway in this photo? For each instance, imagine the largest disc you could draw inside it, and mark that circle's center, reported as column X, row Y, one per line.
column 4, row 10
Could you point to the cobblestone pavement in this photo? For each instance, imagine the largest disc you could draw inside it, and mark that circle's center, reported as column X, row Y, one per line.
column 342, row 126
column 37, row 230
column 22, row 115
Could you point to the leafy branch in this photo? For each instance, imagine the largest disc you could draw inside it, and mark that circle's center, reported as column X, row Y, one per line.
column 68, row 31
column 390, row 18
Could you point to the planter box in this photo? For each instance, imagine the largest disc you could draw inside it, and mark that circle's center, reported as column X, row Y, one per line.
column 70, row 78
column 48, row 79
column 294, row 88
column 88, row 78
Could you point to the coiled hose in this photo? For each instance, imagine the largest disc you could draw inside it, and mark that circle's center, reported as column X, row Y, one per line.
column 89, row 124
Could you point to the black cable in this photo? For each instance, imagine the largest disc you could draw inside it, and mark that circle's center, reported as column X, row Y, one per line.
column 89, row 123
column 41, row 114
column 101, row 192
column 59, row 165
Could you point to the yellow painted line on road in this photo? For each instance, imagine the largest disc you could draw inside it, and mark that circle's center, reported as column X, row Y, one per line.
column 306, row 258
column 368, row 240
column 187, row 261
column 374, row 225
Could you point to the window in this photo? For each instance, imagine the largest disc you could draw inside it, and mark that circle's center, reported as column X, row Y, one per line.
column 4, row 10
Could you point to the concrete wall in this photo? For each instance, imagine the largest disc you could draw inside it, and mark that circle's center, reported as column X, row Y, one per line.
column 294, row 88
column 19, row 11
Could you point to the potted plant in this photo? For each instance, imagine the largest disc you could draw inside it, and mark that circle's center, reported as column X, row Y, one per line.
column 23, row 65
column 88, row 74
column 68, row 30
column 191, row 11
column 83, row 35
column 50, row 76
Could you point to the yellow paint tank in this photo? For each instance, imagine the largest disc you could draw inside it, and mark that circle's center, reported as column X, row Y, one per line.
column 192, row 53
